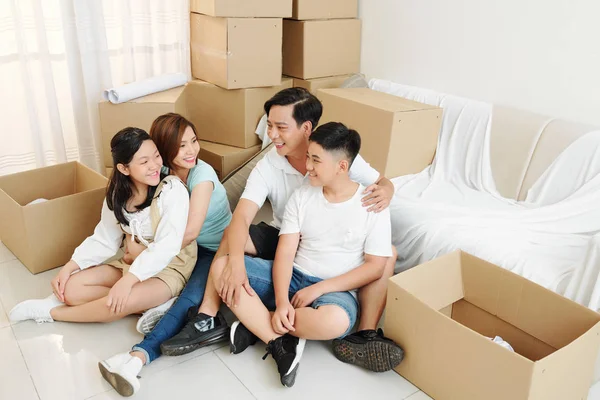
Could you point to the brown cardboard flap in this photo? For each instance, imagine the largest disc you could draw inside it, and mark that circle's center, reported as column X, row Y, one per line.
column 438, row 284
column 490, row 326
column 576, row 360
column 87, row 179
column 48, row 183
column 522, row 303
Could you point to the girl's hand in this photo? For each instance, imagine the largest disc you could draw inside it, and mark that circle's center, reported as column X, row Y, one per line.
column 119, row 294
column 60, row 281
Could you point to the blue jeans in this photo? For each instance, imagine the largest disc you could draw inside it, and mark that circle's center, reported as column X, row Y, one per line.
column 260, row 276
column 174, row 320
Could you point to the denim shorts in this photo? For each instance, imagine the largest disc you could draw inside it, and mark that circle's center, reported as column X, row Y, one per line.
column 260, row 276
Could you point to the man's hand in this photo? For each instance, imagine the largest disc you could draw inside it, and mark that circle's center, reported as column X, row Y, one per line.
column 283, row 319
column 378, row 197
column 232, row 280
column 306, row 296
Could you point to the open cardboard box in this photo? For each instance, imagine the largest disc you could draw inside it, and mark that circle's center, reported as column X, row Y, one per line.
column 442, row 311
column 44, row 235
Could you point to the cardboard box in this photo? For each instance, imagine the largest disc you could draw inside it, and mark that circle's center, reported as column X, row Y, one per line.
column 313, row 85
column 399, row 136
column 139, row 113
column 225, row 159
column 44, row 235
column 108, row 172
column 243, row 8
column 236, row 53
column 316, row 49
column 325, row 9
column 228, row 116
column 442, row 311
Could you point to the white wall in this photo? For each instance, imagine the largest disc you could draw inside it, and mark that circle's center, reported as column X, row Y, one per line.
column 538, row 55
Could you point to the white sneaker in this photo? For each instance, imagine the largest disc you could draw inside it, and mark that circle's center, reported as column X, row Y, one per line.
column 150, row 318
column 121, row 371
column 37, row 310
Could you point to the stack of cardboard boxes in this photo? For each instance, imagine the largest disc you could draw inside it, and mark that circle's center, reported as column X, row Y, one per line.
column 321, row 43
column 236, row 63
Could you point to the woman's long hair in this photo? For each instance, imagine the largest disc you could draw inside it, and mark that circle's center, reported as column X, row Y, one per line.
column 167, row 132
column 123, row 147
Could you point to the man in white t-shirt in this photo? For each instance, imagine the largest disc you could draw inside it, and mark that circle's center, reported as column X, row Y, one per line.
column 329, row 246
column 292, row 116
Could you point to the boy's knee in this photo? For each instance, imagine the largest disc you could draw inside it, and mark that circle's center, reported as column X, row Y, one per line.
column 338, row 317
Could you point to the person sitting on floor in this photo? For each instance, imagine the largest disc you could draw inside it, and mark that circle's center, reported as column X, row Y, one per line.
column 141, row 205
column 292, row 116
column 329, row 246
column 209, row 215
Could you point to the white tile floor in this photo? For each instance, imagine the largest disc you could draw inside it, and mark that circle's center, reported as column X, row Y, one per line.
column 59, row 361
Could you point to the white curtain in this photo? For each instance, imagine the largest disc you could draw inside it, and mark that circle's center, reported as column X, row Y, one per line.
column 56, row 57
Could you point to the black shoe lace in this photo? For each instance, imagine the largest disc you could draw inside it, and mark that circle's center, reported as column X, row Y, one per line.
column 275, row 349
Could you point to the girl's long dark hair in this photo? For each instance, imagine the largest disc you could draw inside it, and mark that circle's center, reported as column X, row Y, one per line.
column 123, row 147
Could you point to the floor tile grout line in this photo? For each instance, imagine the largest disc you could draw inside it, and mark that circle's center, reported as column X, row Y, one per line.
column 98, row 394
column 37, row 393
column 412, row 394
column 234, row 374
column 7, row 261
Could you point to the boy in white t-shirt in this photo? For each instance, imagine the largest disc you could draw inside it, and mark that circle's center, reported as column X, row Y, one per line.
column 329, row 246
column 292, row 115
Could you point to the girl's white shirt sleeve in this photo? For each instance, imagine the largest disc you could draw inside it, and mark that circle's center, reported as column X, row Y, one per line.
column 174, row 204
column 103, row 244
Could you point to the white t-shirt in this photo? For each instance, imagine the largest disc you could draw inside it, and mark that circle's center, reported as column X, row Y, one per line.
column 334, row 237
column 274, row 178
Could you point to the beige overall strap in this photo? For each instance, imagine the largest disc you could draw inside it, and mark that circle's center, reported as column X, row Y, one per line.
column 154, row 211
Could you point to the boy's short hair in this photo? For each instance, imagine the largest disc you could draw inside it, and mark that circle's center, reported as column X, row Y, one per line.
column 306, row 106
column 335, row 136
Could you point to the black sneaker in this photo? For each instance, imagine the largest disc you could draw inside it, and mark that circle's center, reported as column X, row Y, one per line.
column 286, row 351
column 240, row 338
column 201, row 330
column 368, row 349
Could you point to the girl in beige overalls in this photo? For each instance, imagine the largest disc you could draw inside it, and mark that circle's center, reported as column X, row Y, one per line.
column 140, row 205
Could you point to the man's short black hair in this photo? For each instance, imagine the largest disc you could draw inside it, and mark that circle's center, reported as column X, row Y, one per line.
column 306, row 106
column 335, row 136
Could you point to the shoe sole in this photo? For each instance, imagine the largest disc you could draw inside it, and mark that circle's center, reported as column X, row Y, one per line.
column 216, row 337
column 119, row 383
column 374, row 356
column 289, row 379
column 145, row 325
column 232, row 348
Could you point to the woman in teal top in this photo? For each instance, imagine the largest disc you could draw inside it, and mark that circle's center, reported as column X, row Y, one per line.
column 209, row 215
column 218, row 216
